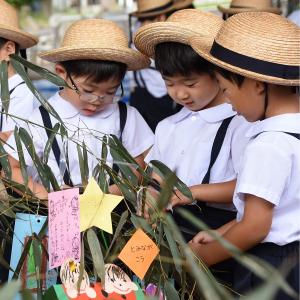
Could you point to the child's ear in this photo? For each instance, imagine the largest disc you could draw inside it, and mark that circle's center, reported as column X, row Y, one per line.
column 8, row 48
column 161, row 18
column 260, row 87
column 61, row 71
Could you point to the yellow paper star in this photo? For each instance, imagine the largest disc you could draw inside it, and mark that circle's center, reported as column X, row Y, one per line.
column 96, row 207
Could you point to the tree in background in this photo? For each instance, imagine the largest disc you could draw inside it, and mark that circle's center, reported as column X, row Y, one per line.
column 19, row 3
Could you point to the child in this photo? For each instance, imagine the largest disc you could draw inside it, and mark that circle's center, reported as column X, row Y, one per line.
column 238, row 6
column 259, row 58
column 150, row 96
column 92, row 59
column 192, row 139
column 13, row 39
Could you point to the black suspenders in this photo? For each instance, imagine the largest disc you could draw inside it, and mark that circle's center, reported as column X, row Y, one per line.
column 55, row 148
column 2, row 110
column 216, row 147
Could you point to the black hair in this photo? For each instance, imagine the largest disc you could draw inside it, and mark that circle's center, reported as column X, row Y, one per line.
column 173, row 58
column 3, row 41
column 233, row 77
column 96, row 70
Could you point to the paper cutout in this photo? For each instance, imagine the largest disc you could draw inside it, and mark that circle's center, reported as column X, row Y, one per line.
column 64, row 228
column 96, row 207
column 118, row 285
column 69, row 275
column 139, row 253
column 25, row 226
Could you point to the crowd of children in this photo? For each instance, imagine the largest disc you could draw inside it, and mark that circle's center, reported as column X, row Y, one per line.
column 234, row 143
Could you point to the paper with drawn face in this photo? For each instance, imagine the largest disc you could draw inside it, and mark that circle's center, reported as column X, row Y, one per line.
column 64, row 226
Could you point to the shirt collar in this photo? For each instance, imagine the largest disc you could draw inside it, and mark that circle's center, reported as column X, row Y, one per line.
column 70, row 110
column 211, row 115
column 14, row 81
column 283, row 123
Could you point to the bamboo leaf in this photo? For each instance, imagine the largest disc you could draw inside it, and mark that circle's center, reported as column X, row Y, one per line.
column 82, row 164
column 81, row 267
column 163, row 171
column 121, row 223
column 170, row 291
column 5, row 98
column 44, row 73
column 10, row 290
column 23, row 166
column 174, row 249
column 166, row 192
column 5, row 162
column 20, row 70
column 37, row 256
column 48, row 146
column 96, row 252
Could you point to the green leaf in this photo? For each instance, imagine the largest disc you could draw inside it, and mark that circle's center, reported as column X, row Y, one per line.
column 81, row 267
column 170, row 291
column 5, row 162
column 37, row 256
column 23, row 166
column 44, row 73
column 166, row 192
column 174, row 249
column 164, row 172
column 5, row 98
column 20, row 70
column 10, row 290
column 48, row 146
column 121, row 223
column 96, row 252
column 83, row 164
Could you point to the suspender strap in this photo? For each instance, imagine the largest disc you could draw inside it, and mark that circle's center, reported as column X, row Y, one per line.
column 2, row 110
column 296, row 135
column 216, row 147
column 123, row 118
column 55, row 148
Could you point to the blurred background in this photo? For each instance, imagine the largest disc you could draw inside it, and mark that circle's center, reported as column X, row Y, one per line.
column 48, row 19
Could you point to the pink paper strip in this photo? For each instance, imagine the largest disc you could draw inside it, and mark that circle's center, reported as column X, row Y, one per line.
column 64, row 229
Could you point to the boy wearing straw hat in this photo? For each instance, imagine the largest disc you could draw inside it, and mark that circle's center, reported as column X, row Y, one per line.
column 238, row 6
column 13, row 39
column 204, row 141
column 258, row 57
column 93, row 69
column 149, row 94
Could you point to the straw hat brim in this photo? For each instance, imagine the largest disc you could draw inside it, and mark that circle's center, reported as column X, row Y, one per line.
column 139, row 14
column 183, row 4
column 204, row 51
column 232, row 10
column 133, row 59
column 148, row 36
column 24, row 39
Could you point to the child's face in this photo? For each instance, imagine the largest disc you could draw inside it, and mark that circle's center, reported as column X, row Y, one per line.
column 195, row 91
column 247, row 100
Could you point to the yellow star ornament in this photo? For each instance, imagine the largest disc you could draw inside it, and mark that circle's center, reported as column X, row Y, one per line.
column 96, row 207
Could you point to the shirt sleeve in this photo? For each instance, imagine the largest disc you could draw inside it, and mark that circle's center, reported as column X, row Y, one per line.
column 137, row 136
column 21, row 106
column 265, row 172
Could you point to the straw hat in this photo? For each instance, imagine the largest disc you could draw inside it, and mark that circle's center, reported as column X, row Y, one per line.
column 259, row 45
column 9, row 27
column 182, row 4
column 96, row 39
column 151, row 8
column 179, row 27
column 238, row 6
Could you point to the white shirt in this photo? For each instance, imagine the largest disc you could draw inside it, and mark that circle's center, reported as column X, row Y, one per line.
column 21, row 104
column 270, row 170
column 184, row 142
column 137, row 136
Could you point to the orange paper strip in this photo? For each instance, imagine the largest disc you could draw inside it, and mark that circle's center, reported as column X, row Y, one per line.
column 139, row 253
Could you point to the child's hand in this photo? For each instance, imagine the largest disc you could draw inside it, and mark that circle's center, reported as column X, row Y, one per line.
column 203, row 237
column 179, row 199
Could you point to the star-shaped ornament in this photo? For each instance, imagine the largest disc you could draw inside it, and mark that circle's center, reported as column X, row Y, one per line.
column 96, row 207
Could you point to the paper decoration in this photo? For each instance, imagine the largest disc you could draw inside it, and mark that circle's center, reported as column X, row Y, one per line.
column 69, row 275
column 139, row 253
column 64, row 226
column 96, row 207
column 25, row 226
column 118, row 285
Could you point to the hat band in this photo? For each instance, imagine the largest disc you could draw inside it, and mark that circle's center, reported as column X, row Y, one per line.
column 156, row 9
column 253, row 64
